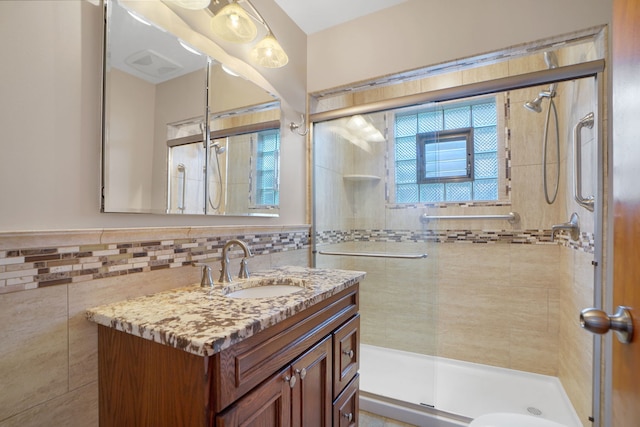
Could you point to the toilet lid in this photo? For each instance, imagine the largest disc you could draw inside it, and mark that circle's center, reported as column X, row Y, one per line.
column 505, row 419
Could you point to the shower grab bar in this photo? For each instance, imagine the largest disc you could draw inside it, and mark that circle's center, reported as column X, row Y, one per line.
column 374, row 254
column 512, row 217
column 585, row 202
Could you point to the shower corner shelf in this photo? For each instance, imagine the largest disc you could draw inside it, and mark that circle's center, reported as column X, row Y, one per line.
column 359, row 177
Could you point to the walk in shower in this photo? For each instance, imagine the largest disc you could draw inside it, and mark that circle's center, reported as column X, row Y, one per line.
column 471, row 300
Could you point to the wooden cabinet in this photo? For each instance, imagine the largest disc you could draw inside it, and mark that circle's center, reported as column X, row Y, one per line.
column 311, row 401
column 296, row 373
column 346, row 354
column 269, row 404
column 299, row 395
column 345, row 408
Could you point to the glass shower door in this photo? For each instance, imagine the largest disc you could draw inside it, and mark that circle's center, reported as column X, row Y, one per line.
column 358, row 226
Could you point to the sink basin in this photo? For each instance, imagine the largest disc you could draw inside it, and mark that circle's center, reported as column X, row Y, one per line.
column 265, row 288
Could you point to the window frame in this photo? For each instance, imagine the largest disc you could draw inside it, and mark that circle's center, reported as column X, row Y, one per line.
column 422, row 139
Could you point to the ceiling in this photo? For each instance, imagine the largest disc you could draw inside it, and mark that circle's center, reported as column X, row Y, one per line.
column 317, row 15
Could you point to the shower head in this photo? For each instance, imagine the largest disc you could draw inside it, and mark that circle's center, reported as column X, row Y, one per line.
column 534, row 105
column 218, row 148
column 551, row 59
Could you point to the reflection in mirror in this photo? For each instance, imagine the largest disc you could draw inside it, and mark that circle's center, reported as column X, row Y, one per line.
column 151, row 79
column 239, row 167
column 244, row 133
column 157, row 91
column 245, row 141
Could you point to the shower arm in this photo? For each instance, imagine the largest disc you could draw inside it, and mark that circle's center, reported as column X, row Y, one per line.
column 586, row 202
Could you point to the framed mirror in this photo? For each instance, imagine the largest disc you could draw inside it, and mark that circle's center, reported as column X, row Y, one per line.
column 157, row 92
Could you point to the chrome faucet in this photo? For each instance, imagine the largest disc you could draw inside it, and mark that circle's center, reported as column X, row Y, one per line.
column 225, row 276
column 573, row 227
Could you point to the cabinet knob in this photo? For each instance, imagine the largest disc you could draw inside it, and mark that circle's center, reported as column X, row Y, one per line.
column 290, row 380
column 348, row 416
column 348, row 353
column 302, row 373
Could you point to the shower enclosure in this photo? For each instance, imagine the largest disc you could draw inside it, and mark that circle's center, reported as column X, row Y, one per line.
column 471, row 298
column 234, row 174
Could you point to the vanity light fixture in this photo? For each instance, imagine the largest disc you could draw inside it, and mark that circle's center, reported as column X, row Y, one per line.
column 234, row 24
column 268, row 53
column 192, row 4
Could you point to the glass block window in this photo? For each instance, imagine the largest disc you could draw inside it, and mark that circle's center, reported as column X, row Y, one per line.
column 267, row 163
column 447, row 154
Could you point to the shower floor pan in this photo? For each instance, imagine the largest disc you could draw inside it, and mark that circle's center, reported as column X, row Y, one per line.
column 436, row 392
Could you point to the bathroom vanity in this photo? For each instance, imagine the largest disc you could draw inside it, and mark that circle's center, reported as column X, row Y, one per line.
column 219, row 356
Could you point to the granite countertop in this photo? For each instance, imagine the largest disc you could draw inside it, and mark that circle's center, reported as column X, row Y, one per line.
column 204, row 321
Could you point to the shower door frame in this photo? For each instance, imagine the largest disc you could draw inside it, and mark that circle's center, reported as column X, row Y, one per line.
column 591, row 69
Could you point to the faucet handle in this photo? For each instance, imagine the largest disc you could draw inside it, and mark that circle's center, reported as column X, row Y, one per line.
column 573, row 227
column 206, row 281
column 244, row 268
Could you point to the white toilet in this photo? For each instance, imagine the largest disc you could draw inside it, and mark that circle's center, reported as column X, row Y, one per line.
column 505, row 419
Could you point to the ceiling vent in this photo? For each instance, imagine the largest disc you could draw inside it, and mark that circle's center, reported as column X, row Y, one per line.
column 153, row 64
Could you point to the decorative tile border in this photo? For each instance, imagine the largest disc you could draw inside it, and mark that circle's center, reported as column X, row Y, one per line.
column 23, row 268
column 531, row 237
column 36, row 260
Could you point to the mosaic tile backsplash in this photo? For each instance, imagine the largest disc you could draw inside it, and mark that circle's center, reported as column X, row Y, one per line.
column 34, row 267
column 586, row 243
column 39, row 265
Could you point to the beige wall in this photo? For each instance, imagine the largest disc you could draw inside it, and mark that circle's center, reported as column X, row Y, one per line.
column 131, row 142
column 418, row 33
column 49, row 168
column 51, row 112
column 48, row 357
column 50, row 115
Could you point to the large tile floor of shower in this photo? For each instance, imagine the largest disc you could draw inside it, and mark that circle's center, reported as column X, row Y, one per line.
column 461, row 388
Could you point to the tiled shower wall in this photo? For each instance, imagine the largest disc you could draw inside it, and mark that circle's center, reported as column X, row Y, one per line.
column 489, row 292
column 48, row 351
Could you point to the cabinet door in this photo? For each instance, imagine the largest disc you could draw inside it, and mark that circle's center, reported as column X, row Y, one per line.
column 346, row 354
column 345, row 408
column 311, row 395
column 268, row 405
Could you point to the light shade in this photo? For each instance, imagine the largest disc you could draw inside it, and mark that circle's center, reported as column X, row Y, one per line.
column 233, row 24
column 268, row 53
column 192, row 4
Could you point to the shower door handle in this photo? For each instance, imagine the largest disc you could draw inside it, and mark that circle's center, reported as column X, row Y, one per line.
column 585, row 202
column 599, row 322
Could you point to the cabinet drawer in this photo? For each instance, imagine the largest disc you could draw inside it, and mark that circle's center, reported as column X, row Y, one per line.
column 345, row 408
column 243, row 366
column 346, row 354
